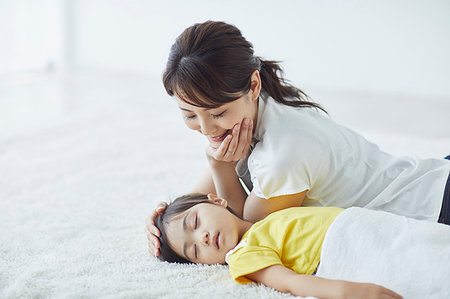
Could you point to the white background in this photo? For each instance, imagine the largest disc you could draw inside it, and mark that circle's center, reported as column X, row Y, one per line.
column 384, row 47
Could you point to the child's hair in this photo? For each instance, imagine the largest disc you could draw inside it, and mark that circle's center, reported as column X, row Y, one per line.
column 211, row 64
column 180, row 204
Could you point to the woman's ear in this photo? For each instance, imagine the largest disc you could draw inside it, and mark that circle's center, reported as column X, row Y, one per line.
column 255, row 87
column 217, row 200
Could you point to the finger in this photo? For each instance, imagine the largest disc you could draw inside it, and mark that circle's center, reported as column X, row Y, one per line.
column 150, row 228
column 151, row 219
column 149, row 222
column 153, row 249
column 152, row 232
column 234, row 141
column 250, row 133
column 154, row 252
column 243, row 145
column 391, row 294
column 161, row 206
column 153, row 239
column 387, row 293
column 222, row 150
column 249, row 137
column 153, row 243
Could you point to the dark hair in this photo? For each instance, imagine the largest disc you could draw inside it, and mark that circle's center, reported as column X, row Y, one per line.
column 180, row 204
column 211, row 64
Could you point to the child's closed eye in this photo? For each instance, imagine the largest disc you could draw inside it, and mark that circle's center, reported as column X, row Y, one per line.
column 195, row 227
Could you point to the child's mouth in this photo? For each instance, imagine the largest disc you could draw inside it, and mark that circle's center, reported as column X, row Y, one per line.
column 217, row 240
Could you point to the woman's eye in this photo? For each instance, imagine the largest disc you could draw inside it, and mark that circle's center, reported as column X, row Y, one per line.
column 219, row 115
column 189, row 116
column 195, row 222
column 195, row 250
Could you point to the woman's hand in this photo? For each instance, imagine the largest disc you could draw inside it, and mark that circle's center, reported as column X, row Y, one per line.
column 235, row 146
column 152, row 231
column 353, row 290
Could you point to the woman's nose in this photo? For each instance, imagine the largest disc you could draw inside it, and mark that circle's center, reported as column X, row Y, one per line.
column 205, row 238
column 206, row 128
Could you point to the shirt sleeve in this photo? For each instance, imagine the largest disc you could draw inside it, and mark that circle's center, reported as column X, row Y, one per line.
column 272, row 178
column 287, row 164
column 250, row 260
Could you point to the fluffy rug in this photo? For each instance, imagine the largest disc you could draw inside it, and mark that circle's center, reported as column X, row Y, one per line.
column 83, row 160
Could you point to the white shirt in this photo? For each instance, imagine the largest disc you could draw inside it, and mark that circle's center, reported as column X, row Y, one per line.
column 301, row 149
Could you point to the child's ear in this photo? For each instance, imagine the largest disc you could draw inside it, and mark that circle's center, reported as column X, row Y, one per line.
column 217, row 200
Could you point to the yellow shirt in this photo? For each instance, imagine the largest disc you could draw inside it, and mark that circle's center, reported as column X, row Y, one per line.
column 292, row 237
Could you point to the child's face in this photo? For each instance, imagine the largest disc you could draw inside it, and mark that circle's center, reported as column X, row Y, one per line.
column 204, row 233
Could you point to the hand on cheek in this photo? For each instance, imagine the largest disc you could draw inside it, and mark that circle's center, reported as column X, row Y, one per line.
column 236, row 145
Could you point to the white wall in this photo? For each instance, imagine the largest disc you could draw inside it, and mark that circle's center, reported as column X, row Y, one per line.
column 30, row 35
column 391, row 47
column 377, row 46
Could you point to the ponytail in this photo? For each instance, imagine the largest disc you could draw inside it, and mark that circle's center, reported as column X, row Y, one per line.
column 280, row 90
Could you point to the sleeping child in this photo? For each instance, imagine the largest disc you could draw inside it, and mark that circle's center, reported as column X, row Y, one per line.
column 325, row 252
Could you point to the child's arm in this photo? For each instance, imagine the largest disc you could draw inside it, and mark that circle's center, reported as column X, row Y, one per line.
column 285, row 280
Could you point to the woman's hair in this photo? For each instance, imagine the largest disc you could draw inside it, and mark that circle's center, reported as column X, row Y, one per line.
column 211, row 64
column 180, row 204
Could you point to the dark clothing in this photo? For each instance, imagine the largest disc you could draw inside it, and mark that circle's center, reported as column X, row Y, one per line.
column 444, row 216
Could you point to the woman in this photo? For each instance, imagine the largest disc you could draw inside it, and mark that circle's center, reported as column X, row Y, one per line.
column 286, row 151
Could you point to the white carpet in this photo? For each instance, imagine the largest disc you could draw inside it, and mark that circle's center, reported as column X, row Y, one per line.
column 83, row 160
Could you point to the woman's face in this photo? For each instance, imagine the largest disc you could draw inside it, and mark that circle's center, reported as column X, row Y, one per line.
column 217, row 123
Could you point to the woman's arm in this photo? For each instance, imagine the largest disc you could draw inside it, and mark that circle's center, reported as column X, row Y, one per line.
column 227, row 185
column 222, row 162
column 256, row 208
column 287, row 281
column 205, row 184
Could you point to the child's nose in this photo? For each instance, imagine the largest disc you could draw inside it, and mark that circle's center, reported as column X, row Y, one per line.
column 205, row 238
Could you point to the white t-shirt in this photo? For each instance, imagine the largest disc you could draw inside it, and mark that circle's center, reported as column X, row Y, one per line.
column 301, row 149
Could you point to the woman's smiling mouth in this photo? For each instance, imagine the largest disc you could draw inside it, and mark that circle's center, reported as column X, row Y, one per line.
column 219, row 138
